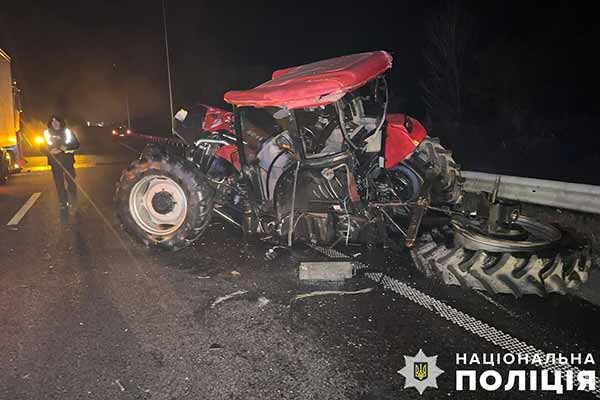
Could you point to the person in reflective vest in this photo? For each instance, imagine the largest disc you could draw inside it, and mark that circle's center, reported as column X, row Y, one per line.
column 62, row 143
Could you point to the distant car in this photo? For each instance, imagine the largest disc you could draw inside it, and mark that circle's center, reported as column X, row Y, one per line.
column 120, row 131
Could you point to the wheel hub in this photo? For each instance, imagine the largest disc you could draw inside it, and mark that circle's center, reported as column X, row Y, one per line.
column 163, row 202
column 158, row 205
column 537, row 236
column 401, row 183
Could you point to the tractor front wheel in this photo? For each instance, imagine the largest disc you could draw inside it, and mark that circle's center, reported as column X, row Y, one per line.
column 163, row 200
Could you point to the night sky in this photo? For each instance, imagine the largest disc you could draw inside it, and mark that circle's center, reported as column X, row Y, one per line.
column 80, row 58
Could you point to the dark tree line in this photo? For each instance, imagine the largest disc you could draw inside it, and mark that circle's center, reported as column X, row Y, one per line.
column 518, row 99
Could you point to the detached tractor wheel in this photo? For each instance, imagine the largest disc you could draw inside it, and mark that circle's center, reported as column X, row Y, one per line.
column 163, row 201
column 436, row 165
column 533, row 264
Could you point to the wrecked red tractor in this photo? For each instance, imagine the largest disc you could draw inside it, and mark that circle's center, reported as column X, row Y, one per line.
column 313, row 155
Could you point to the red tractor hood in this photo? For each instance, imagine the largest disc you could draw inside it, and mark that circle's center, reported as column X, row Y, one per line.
column 315, row 84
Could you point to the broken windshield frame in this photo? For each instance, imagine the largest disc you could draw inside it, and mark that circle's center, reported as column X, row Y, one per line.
column 310, row 128
column 366, row 106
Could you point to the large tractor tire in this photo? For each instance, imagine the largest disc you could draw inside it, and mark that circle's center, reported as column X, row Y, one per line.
column 499, row 270
column 436, row 165
column 463, row 255
column 163, row 200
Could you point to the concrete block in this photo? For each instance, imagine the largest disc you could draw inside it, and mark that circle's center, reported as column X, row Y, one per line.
column 325, row 270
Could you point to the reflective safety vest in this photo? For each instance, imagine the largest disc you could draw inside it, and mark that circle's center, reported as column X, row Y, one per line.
column 54, row 139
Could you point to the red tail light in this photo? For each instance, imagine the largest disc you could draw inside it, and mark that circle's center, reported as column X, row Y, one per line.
column 114, row 132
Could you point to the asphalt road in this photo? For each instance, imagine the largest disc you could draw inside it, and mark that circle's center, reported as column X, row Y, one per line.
column 87, row 313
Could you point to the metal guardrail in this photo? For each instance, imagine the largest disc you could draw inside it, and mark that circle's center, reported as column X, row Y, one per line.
column 571, row 196
column 566, row 195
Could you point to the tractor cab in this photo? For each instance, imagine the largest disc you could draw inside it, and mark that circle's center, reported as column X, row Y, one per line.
column 313, row 114
column 319, row 104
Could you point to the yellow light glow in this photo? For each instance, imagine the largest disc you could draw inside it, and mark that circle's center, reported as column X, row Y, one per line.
column 12, row 139
column 39, row 139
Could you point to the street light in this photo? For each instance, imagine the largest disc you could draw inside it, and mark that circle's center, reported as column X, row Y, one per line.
column 164, row 4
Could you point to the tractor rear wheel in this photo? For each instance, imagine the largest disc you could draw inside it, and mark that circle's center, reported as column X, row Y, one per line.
column 436, row 166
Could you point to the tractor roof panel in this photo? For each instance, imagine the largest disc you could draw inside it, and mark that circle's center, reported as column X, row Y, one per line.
column 315, row 84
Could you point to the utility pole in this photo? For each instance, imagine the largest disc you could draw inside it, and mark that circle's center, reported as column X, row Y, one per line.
column 127, row 106
column 168, row 66
column 115, row 67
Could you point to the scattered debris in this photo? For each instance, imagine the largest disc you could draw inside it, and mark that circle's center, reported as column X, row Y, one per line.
column 274, row 252
column 325, row 270
column 229, row 296
column 332, row 292
column 235, row 273
column 203, row 277
column 119, row 385
column 263, row 301
column 215, row 346
column 356, row 255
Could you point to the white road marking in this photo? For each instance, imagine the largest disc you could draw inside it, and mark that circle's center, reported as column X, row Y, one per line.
column 26, row 207
column 479, row 328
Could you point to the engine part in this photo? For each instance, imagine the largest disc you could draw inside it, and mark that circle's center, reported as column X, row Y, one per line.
column 311, row 227
column 400, row 183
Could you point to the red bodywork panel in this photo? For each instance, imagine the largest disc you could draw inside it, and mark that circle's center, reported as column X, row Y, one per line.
column 231, row 154
column 315, row 84
column 217, row 119
column 399, row 142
